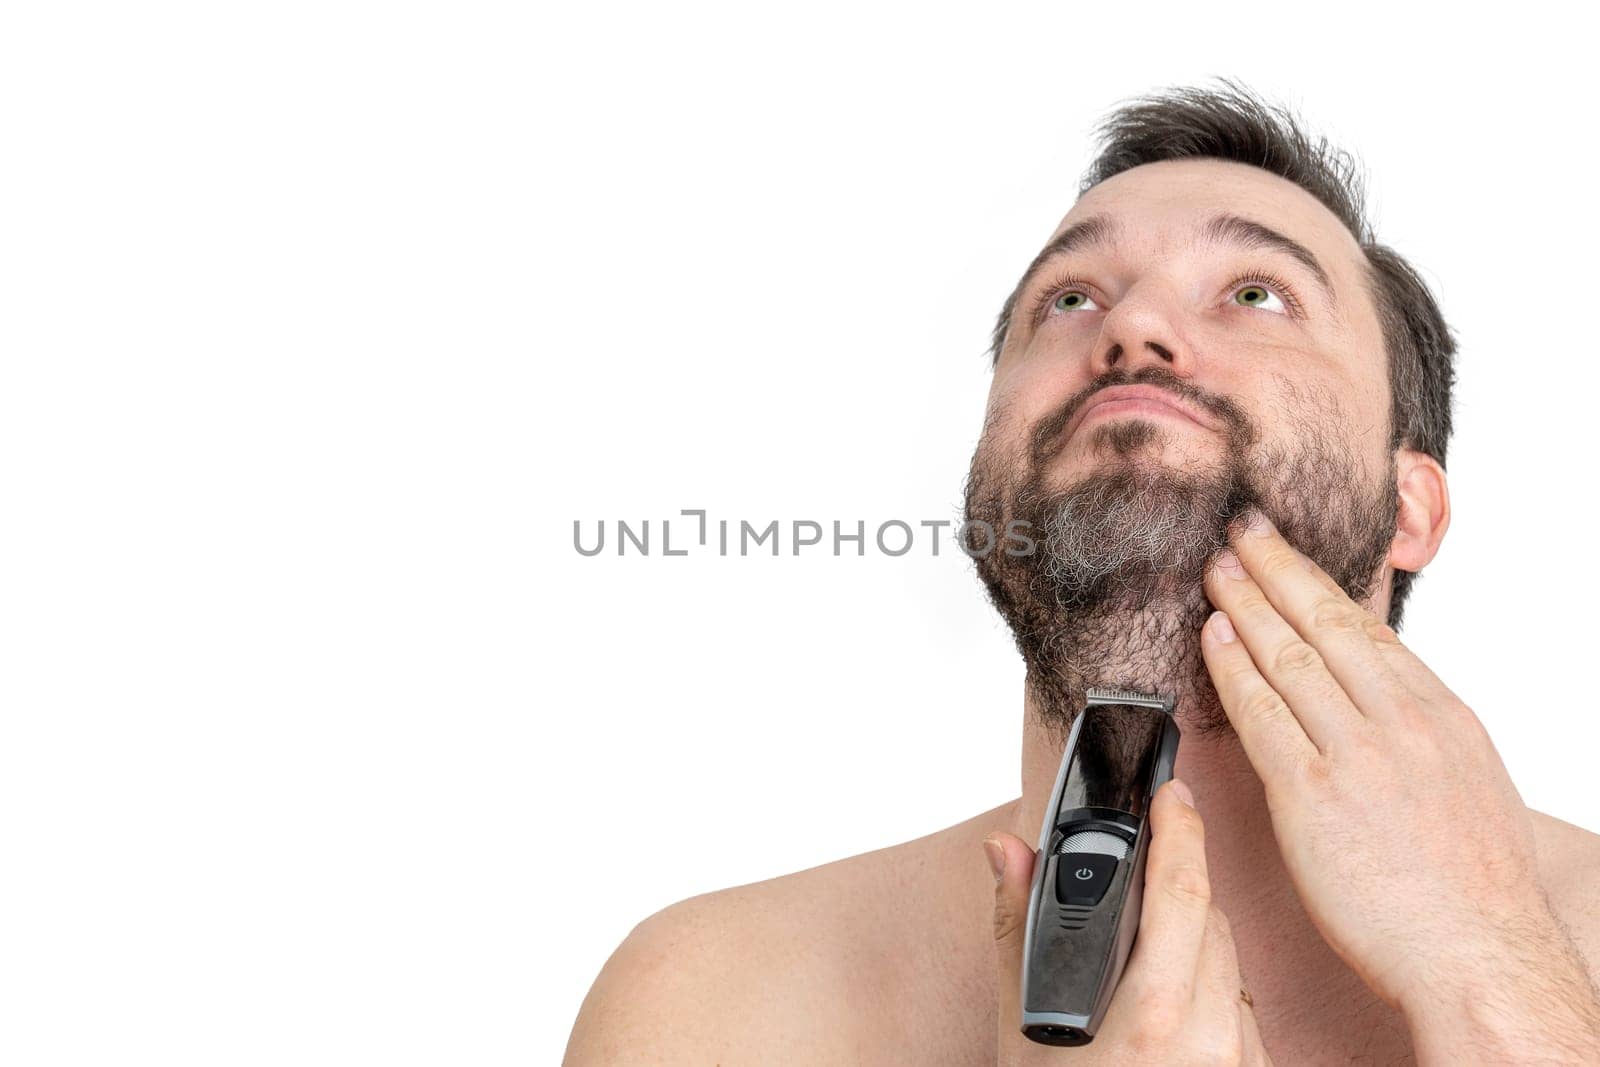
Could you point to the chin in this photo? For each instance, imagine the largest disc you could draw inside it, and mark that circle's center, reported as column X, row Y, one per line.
column 1153, row 455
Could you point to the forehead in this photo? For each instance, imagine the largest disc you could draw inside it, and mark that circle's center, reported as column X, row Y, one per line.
column 1158, row 206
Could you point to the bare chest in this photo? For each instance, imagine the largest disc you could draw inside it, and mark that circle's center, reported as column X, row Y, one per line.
column 1375, row 1036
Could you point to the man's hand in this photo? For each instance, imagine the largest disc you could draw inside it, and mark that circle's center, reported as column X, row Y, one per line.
column 1399, row 825
column 1178, row 999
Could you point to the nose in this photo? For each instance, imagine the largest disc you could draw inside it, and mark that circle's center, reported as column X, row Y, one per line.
column 1141, row 330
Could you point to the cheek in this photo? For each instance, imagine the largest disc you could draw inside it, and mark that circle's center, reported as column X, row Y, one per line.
column 1227, row 351
column 1031, row 388
column 1329, row 414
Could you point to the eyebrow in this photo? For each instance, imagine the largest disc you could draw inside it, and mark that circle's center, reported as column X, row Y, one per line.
column 1102, row 231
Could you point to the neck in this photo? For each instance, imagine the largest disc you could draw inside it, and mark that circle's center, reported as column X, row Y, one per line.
column 1277, row 945
column 1241, row 851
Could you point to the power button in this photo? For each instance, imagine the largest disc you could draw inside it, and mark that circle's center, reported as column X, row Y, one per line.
column 1082, row 877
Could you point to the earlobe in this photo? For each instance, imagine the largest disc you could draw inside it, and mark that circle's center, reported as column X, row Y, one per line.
column 1424, row 513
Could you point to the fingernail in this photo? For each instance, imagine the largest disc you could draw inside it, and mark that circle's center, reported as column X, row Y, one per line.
column 1228, row 564
column 997, row 857
column 1222, row 627
column 1256, row 522
column 1182, row 790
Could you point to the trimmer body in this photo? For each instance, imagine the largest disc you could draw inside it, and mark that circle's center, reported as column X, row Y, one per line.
column 1088, row 879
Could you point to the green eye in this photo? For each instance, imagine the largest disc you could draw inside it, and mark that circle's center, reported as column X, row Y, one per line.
column 1256, row 295
column 1070, row 301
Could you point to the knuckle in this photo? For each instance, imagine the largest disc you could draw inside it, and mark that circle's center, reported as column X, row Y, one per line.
column 1278, row 562
column 1188, row 884
column 1158, row 1017
column 1337, row 616
column 1318, row 772
column 1409, row 712
column 1242, row 675
column 1296, row 657
column 1263, row 705
column 1249, row 603
column 1220, row 926
column 1182, row 820
column 1007, row 922
column 1365, row 740
column 1380, row 631
column 1166, row 1029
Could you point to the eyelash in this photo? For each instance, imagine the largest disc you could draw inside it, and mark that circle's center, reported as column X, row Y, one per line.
column 1265, row 279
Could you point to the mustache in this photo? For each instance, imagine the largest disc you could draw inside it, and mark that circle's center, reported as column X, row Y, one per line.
column 1046, row 439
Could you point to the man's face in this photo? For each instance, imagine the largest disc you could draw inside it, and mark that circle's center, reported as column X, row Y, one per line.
column 1250, row 372
column 1221, row 327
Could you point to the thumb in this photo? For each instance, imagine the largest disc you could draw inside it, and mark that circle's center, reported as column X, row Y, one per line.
column 1012, row 858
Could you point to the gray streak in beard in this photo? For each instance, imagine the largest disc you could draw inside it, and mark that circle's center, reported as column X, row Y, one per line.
column 1112, row 528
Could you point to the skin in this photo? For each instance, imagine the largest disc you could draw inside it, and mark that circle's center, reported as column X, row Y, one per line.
column 1335, row 723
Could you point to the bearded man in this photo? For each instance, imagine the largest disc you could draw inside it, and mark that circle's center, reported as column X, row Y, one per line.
column 1222, row 410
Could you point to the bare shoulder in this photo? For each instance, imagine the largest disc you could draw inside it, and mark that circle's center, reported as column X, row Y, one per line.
column 698, row 981
column 797, row 969
column 1569, row 861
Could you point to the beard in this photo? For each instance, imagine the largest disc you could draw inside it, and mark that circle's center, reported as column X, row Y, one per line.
column 1112, row 593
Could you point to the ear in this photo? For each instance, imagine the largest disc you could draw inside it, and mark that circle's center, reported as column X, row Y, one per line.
column 1424, row 514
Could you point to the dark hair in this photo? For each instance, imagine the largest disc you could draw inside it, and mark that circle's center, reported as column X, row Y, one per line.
column 1235, row 125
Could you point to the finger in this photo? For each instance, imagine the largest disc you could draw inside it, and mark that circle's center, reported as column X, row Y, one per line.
column 1177, row 896
column 1320, row 613
column 1219, row 961
column 1010, row 921
column 1406, row 666
column 1223, row 982
column 1290, row 665
column 1277, row 746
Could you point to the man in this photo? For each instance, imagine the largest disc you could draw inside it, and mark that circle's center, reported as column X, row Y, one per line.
column 1223, row 409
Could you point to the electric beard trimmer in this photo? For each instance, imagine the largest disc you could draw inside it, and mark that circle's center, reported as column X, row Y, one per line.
column 1088, row 878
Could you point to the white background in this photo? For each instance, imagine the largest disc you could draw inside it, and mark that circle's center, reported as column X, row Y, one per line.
column 324, row 321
